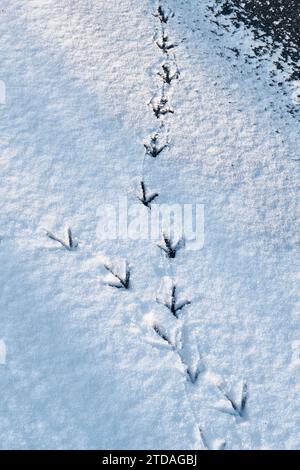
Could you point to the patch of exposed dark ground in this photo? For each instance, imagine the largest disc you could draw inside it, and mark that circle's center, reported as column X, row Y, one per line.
column 275, row 23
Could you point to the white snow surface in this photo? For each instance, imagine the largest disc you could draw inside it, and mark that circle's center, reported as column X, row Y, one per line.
column 80, row 364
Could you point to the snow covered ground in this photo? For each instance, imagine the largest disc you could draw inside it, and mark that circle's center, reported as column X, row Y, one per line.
column 81, row 365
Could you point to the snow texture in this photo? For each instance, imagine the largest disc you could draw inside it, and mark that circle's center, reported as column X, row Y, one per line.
column 81, row 365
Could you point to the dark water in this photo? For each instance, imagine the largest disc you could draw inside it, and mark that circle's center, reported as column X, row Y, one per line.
column 278, row 19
